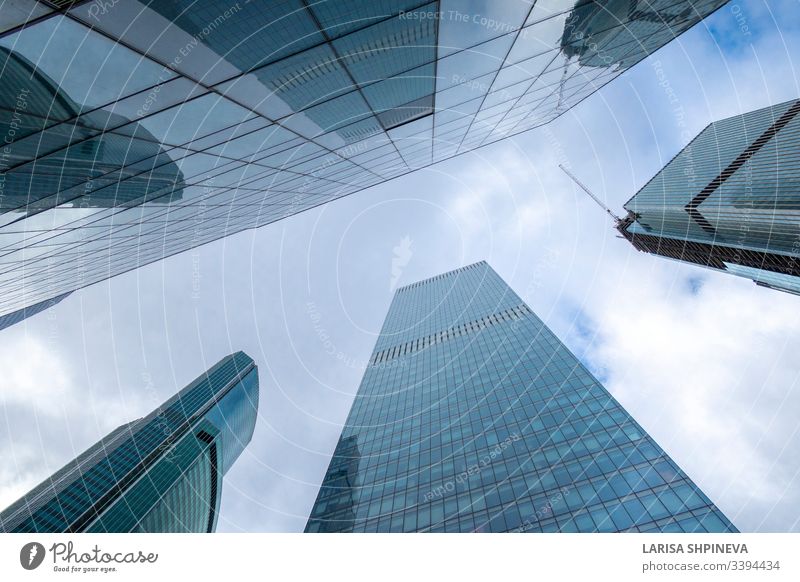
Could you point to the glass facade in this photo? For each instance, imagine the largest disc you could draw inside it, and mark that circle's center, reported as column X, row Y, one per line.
column 730, row 200
column 26, row 312
column 140, row 129
column 161, row 473
column 473, row 416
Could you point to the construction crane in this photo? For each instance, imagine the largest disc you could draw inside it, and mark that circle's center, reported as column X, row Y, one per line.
column 616, row 218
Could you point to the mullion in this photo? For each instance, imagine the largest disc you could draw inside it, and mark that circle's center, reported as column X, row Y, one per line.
column 346, row 68
column 211, row 89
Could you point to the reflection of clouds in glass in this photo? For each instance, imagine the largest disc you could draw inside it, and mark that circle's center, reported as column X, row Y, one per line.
column 32, row 101
column 91, row 69
column 258, row 113
column 621, row 32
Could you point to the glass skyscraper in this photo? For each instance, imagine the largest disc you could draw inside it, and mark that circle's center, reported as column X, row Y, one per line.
column 161, row 473
column 473, row 416
column 135, row 130
column 730, row 200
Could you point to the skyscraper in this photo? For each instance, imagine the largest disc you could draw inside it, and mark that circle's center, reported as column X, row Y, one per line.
column 473, row 416
column 730, row 200
column 134, row 133
column 161, row 473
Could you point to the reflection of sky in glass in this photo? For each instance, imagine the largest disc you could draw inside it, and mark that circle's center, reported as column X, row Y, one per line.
column 473, row 416
column 259, row 105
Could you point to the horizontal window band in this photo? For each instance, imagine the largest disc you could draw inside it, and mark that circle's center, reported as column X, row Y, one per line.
column 511, row 314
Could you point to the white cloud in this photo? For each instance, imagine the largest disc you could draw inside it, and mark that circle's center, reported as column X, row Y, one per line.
column 34, row 374
column 711, row 377
column 50, row 410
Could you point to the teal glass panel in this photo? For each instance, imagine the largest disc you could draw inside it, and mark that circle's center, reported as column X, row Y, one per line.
column 160, row 473
column 166, row 103
column 473, row 416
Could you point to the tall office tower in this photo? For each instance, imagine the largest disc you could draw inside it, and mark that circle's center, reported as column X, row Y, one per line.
column 730, row 200
column 138, row 131
column 161, row 473
column 473, row 416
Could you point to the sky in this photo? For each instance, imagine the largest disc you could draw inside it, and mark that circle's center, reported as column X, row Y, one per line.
column 705, row 362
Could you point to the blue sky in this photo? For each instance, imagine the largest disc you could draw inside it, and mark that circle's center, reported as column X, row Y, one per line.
column 705, row 362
